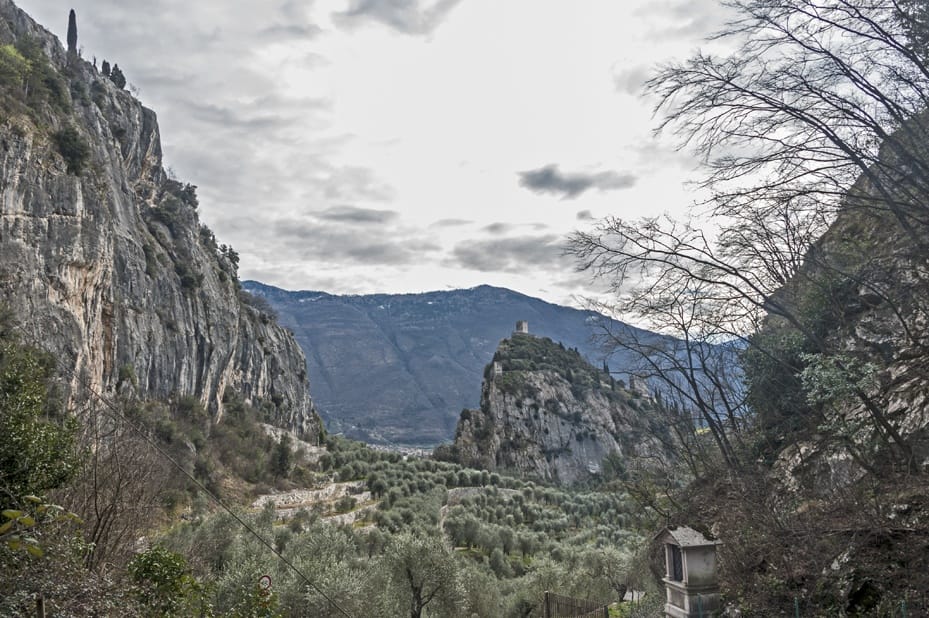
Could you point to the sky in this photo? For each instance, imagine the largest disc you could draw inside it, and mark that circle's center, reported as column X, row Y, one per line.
column 362, row 146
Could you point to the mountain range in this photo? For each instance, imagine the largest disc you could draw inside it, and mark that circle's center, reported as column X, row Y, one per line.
column 399, row 368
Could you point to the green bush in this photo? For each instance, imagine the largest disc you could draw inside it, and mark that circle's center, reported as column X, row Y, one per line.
column 164, row 586
column 13, row 67
column 190, row 278
column 73, row 149
column 37, row 453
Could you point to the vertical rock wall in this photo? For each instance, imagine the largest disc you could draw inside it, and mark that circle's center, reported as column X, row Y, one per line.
column 110, row 269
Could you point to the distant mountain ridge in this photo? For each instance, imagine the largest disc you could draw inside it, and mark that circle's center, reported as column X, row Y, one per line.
column 399, row 368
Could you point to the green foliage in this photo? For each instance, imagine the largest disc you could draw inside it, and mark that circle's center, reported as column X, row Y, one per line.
column 58, row 574
column 522, row 353
column 73, row 149
column 773, row 364
column 422, row 573
column 282, row 459
column 258, row 303
column 36, row 450
column 186, row 193
column 36, row 83
column 21, row 529
column 446, row 541
column 232, row 257
column 240, row 445
column 72, row 32
column 208, row 238
column 834, row 379
column 117, row 77
column 189, row 277
column 127, row 376
column 164, row 586
column 13, row 68
column 174, row 214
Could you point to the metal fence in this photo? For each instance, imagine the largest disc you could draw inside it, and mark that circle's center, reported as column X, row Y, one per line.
column 903, row 608
column 910, row 607
column 558, row 606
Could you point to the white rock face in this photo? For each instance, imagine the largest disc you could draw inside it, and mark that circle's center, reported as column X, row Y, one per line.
column 109, row 268
column 539, row 425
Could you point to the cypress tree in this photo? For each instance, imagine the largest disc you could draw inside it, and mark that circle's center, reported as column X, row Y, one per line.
column 105, row 68
column 117, row 77
column 72, row 32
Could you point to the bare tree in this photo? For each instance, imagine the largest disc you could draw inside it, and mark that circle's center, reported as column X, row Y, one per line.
column 820, row 109
column 119, row 490
column 818, row 94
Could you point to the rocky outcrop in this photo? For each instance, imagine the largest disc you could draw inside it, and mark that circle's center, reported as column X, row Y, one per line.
column 105, row 261
column 547, row 414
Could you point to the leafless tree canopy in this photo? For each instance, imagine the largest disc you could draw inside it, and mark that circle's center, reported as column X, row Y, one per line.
column 805, row 105
column 820, row 108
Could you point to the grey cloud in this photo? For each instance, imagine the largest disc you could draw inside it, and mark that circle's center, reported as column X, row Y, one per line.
column 267, row 116
column 584, row 215
column 687, row 18
column 291, row 31
column 631, row 80
column 325, row 242
column 580, row 281
column 407, row 16
column 550, row 179
column 498, row 228
column 451, row 223
column 226, row 117
column 652, row 155
column 353, row 214
column 504, row 228
column 300, row 280
column 510, row 255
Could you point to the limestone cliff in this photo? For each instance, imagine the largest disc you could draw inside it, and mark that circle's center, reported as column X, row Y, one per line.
column 849, row 390
column 546, row 413
column 102, row 254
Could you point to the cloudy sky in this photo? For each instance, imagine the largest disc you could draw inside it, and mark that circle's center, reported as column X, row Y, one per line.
column 359, row 146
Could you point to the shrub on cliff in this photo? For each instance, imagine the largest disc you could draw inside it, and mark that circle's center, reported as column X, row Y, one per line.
column 36, row 453
column 13, row 67
column 72, row 148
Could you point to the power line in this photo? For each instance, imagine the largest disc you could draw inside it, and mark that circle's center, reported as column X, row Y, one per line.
column 115, row 409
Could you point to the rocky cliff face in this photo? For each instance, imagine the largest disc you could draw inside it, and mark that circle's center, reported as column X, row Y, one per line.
column 849, row 393
column 103, row 257
column 546, row 413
